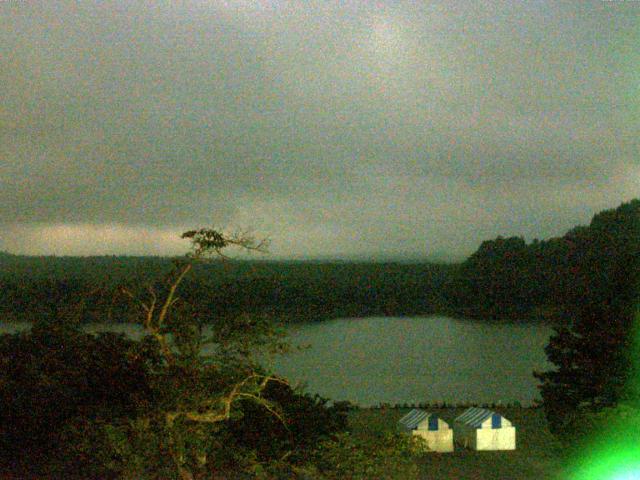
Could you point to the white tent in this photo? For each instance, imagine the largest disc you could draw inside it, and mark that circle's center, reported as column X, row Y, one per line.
column 435, row 431
column 481, row 429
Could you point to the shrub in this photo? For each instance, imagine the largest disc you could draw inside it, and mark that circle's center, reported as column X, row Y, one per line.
column 305, row 421
column 55, row 376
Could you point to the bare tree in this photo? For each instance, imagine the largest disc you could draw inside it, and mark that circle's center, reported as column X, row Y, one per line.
column 156, row 306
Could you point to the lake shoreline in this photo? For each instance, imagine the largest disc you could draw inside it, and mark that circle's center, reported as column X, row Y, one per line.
column 403, row 360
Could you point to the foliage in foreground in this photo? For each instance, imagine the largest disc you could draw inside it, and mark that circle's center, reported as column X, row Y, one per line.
column 55, row 376
column 85, row 406
column 78, row 405
column 596, row 352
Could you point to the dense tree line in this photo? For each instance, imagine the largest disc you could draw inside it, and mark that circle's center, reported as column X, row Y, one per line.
column 595, row 350
column 506, row 278
column 295, row 291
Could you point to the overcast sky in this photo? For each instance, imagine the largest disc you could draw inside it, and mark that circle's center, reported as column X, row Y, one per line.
column 337, row 128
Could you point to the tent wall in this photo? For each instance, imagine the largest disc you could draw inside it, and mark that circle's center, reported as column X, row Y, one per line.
column 485, row 438
column 481, row 429
column 438, row 440
column 496, row 439
column 436, row 432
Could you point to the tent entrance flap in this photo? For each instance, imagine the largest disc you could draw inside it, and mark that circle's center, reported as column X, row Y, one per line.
column 496, row 421
column 433, row 423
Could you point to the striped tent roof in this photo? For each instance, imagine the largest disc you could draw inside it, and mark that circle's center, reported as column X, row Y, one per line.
column 475, row 417
column 412, row 419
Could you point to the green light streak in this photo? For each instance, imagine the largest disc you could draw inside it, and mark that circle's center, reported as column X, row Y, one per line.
column 614, row 454
column 615, row 463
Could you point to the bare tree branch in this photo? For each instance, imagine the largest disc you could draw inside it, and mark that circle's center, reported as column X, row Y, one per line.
column 172, row 290
column 206, row 243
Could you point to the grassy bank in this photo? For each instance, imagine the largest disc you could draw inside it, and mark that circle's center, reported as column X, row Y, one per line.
column 537, row 455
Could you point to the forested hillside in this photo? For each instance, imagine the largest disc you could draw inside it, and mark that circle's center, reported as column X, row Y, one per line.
column 295, row 291
column 506, row 278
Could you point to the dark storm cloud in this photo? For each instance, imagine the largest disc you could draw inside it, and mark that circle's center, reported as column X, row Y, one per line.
column 338, row 128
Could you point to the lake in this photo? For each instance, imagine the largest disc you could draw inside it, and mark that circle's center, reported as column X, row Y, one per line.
column 412, row 360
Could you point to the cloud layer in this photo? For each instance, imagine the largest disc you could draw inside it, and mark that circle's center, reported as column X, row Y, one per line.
column 336, row 128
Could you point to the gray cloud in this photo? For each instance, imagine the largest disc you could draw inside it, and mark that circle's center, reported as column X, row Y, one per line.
column 346, row 128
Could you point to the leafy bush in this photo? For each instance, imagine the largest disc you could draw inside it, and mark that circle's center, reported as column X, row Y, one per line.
column 56, row 375
column 184, row 403
column 79, row 405
column 305, row 421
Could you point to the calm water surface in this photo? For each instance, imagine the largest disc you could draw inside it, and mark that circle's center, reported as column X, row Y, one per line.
column 418, row 359
column 413, row 360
